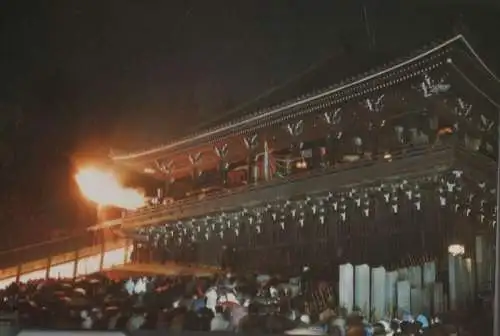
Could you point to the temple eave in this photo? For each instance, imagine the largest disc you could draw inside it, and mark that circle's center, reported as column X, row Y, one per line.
column 391, row 74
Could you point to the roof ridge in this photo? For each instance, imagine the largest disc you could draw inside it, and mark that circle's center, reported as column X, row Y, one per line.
column 344, row 84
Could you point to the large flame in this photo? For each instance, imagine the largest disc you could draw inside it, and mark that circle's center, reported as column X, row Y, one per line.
column 104, row 189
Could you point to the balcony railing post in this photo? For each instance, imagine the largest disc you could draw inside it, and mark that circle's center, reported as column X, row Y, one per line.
column 18, row 272
column 75, row 269
column 103, row 249
column 49, row 262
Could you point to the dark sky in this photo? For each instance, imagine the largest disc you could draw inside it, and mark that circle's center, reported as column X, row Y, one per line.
column 79, row 77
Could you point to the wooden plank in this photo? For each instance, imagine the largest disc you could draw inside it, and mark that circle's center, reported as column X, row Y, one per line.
column 34, row 265
column 88, row 251
column 62, row 258
column 8, row 272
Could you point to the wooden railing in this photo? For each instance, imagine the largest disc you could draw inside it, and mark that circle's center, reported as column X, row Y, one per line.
column 400, row 154
column 46, row 248
column 483, row 167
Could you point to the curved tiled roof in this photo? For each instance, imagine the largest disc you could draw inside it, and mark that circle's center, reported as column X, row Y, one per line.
column 340, row 90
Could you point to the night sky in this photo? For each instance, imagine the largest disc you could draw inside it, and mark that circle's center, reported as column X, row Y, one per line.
column 80, row 77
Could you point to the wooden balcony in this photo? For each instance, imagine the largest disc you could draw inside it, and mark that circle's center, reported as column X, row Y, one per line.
column 403, row 164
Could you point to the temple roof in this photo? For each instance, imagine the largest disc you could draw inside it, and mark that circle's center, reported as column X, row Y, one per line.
column 277, row 105
column 316, row 78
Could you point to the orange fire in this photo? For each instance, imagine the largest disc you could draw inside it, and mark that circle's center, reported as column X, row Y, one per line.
column 104, row 189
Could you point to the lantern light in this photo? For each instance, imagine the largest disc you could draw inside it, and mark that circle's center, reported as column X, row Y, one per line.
column 456, row 250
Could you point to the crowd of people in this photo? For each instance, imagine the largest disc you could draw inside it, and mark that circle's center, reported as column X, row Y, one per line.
column 217, row 303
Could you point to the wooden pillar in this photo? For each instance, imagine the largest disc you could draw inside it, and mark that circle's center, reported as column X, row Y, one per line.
column 18, row 272
column 126, row 251
column 47, row 272
column 103, row 250
column 77, row 259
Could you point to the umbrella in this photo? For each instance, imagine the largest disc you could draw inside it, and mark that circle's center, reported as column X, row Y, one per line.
column 306, row 331
column 407, row 317
column 80, row 291
column 228, row 304
column 423, row 321
column 109, row 298
column 78, row 301
column 263, row 278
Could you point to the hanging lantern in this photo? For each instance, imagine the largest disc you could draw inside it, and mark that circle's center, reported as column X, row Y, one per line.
column 322, row 215
column 343, row 216
column 302, row 219
column 399, row 130
column 322, row 219
column 409, row 194
column 395, row 205
column 417, row 201
column 366, row 206
column 358, row 143
column 450, row 186
column 457, row 173
column 456, row 250
column 468, row 211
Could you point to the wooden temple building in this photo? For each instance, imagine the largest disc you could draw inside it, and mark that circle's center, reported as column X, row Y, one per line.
column 385, row 168
column 392, row 168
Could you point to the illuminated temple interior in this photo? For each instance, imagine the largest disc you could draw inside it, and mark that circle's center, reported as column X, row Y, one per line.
column 69, row 265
